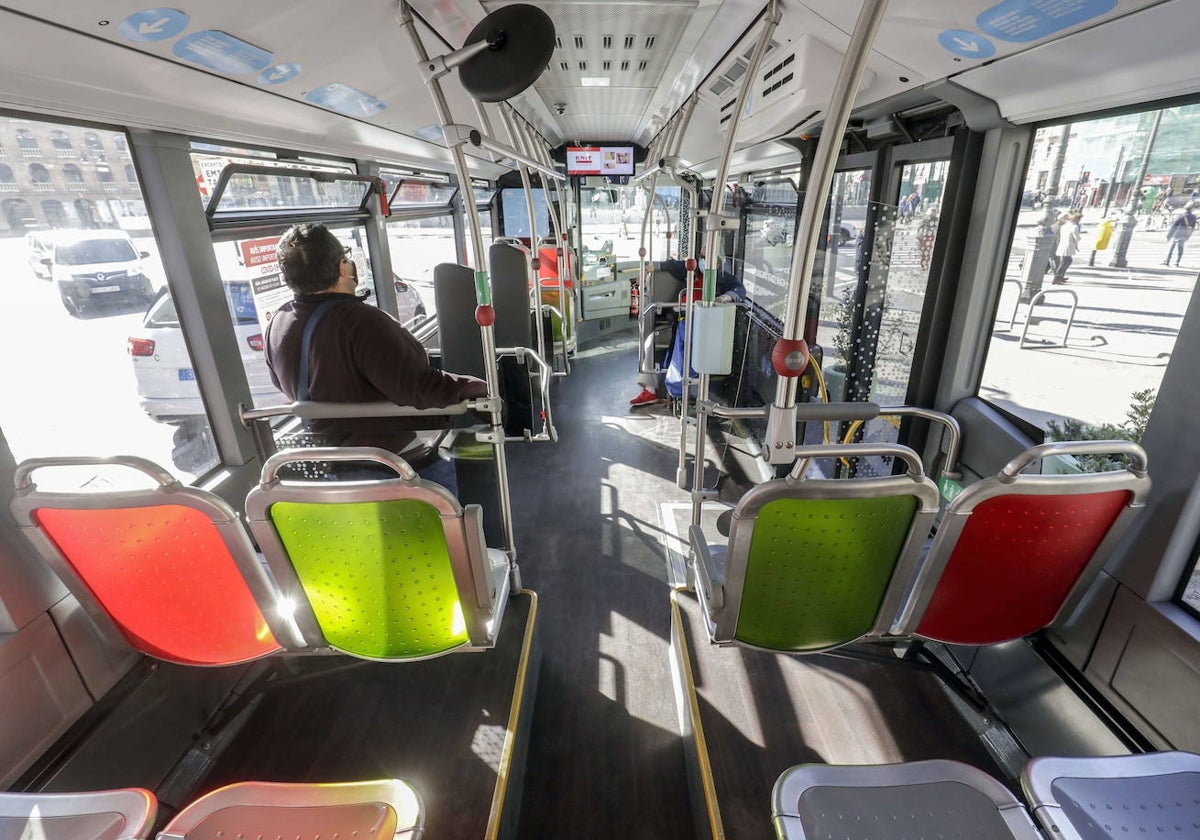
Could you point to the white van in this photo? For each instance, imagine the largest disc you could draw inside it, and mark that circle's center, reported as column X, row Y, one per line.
column 93, row 265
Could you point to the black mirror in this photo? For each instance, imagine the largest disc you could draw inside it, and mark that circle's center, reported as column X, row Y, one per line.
column 46, row 261
column 143, row 254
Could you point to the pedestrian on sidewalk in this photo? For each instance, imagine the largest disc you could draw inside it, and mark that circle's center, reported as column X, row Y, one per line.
column 1179, row 232
column 1068, row 245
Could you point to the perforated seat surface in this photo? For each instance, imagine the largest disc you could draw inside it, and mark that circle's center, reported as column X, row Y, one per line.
column 1015, row 563
column 900, row 812
column 1111, row 797
column 166, row 578
column 1155, row 806
column 848, row 548
column 378, row 810
column 923, row 800
column 377, row 575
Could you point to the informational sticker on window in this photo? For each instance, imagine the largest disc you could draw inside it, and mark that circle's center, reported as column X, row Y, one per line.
column 258, row 251
column 270, row 293
column 257, row 256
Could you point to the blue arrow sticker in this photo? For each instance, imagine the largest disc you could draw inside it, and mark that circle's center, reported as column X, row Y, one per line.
column 1028, row 20
column 222, row 52
column 967, row 44
column 153, row 25
column 346, row 100
column 279, row 74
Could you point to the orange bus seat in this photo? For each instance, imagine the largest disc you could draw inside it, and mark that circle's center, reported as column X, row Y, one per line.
column 170, row 569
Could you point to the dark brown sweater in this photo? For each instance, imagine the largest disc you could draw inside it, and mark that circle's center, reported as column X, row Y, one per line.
column 358, row 353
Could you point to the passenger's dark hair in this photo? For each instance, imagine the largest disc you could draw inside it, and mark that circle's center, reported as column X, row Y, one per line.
column 310, row 258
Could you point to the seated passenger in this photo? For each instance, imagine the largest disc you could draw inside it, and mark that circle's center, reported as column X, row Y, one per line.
column 729, row 289
column 357, row 353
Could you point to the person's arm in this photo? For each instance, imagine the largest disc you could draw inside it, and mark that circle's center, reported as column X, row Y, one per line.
column 729, row 288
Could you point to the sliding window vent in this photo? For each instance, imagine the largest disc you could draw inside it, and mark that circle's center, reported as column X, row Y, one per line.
column 726, row 118
column 641, row 66
column 624, row 65
column 650, row 42
column 564, row 65
column 629, row 39
column 578, row 42
column 606, row 65
column 720, row 86
column 607, row 41
column 583, row 66
column 729, row 104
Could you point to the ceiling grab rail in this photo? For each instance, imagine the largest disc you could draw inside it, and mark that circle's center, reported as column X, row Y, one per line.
column 496, row 32
column 530, row 146
column 790, row 356
column 715, row 223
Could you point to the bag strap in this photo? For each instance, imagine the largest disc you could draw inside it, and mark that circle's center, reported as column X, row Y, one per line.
column 309, row 325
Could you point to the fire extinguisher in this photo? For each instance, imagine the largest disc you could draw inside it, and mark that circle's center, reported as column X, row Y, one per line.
column 635, row 294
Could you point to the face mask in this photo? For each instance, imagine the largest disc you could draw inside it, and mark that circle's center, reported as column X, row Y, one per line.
column 700, row 264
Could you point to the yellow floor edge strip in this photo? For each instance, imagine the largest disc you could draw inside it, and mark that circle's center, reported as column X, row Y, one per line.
column 705, row 767
column 514, row 715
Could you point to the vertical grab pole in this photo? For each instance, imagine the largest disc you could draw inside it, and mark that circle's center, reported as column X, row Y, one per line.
column 484, row 314
column 536, row 291
column 710, row 237
column 790, row 357
column 531, row 148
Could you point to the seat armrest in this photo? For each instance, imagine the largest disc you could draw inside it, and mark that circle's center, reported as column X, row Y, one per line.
column 707, row 576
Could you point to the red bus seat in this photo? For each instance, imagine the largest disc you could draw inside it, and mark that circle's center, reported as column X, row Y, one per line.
column 1015, row 552
column 169, row 568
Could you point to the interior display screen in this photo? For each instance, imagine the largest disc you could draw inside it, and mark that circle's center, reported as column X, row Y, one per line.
column 600, row 160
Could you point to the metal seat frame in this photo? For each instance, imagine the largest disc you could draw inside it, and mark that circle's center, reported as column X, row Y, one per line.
column 60, row 816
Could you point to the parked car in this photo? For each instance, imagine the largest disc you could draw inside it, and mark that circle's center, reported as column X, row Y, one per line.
column 408, row 300
column 38, row 245
column 166, row 381
column 94, row 265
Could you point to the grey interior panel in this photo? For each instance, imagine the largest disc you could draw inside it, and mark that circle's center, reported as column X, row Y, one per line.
column 454, row 294
column 1147, row 662
column 100, row 663
column 41, row 694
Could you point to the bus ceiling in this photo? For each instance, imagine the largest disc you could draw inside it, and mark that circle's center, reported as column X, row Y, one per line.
column 338, row 83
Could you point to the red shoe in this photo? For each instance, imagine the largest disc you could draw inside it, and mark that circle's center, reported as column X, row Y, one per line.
column 647, row 397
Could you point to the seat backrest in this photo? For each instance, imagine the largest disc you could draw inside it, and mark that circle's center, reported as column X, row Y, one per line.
column 1111, row 797
column 378, row 810
column 123, row 814
column 816, row 563
column 390, row 569
column 880, row 802
column 169, row 568
column 511, row 274
column 1016, row 551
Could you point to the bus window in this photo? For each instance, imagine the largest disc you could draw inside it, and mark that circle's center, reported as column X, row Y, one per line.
column 611, row 222
column 84, row 271
column 416, row 246
column 1119, row 174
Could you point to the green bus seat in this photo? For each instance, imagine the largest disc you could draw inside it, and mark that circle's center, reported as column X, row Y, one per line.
column 388, row 569
column 814, row 564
